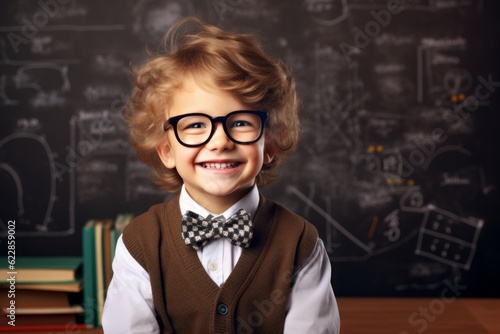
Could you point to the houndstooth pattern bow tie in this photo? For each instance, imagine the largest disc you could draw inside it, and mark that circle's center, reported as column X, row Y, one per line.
column 197, row 230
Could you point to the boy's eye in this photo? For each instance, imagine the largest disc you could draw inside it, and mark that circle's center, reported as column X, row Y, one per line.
column 244, row 121
column 196, row 126
column 240, row 123
column 192, row 123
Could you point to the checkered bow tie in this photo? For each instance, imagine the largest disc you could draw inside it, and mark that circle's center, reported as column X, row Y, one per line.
column 197, row 230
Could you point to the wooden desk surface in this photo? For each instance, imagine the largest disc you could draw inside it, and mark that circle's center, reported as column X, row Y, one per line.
column 419, row 315
column 411, row 316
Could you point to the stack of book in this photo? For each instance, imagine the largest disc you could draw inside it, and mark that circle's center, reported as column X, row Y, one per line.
column 99, row 239
column 42, row 293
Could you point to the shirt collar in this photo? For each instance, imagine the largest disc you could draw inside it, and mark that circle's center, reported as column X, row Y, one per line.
column 249, row 202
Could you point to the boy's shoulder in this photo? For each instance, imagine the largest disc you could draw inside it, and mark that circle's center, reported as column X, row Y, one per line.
column 144, row 229
column 148, row 225
column 295, row 231
column 154, row 215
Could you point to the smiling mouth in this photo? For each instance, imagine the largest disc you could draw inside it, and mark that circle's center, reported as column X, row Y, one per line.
column 221, row 165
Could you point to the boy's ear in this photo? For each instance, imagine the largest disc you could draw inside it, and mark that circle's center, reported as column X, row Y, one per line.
column 269, row 150
column 166, row 156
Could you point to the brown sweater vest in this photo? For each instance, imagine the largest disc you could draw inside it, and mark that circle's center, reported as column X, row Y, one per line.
column 254, row 297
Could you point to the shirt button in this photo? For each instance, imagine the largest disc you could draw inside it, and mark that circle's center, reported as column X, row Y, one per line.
column 222, row 309
column 213, row 266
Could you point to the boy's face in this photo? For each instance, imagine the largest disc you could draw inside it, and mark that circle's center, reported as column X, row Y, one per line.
column 220, row 172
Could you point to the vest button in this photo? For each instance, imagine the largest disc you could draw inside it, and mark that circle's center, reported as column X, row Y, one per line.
column 222, row 309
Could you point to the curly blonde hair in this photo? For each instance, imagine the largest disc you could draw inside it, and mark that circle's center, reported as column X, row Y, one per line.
column 235, row 63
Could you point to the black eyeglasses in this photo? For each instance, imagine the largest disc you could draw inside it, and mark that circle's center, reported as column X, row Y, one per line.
column 196, row 129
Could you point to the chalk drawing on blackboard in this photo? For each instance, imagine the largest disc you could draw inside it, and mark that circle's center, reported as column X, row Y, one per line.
column 41, row 45
column 293, row 190
column 457, row 80
column 138, row 181
column 4, row 98
column 5, row 59
column 110, row 64
column 456, row 179
column 389, row 224
column 105, row 92
column 335, row 102
column 413, row 200
column 485, row 186
column 448, row 238
column 437, row 73
column 327, row 12
column 416, row 5
column 383, row 4
column 19, row 189
column 30, row 222
column 101, row 132
column 105, row 162
column 395, row 90
column 154, row 17
column 386, row 162
column 393, row 232
column 35, row 78
column 24, row 79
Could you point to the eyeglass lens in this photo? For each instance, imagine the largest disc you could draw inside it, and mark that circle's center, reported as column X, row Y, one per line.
column 239, row 127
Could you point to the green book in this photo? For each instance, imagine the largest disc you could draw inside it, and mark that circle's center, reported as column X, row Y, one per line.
column 121, row 221
column 89, row 277
column 42, row 269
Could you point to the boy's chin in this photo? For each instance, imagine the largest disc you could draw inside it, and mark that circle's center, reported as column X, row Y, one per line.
column 219, row 194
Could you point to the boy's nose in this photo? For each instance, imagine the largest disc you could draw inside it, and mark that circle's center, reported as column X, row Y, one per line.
column 219, row 139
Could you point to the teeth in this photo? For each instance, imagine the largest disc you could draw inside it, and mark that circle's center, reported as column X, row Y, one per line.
column 217, row 165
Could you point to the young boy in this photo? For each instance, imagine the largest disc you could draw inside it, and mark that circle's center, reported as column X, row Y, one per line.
column 213, row 115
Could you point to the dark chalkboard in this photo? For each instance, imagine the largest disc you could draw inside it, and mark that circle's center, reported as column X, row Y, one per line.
column 398, row 166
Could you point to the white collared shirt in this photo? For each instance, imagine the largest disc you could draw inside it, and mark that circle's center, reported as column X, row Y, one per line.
column 312, row 307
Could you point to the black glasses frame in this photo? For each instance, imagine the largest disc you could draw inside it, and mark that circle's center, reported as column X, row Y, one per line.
column 172, row 122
